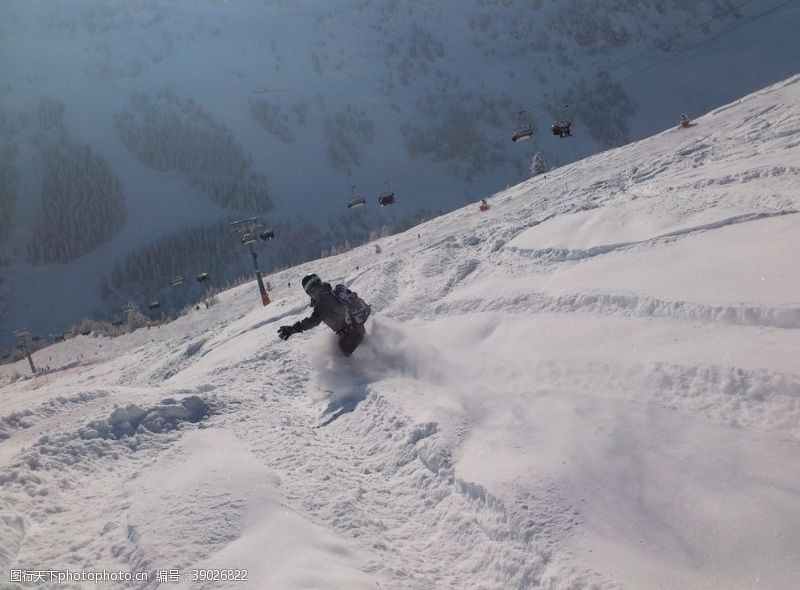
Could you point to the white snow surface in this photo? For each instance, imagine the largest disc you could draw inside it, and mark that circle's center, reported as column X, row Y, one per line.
column 593, row 384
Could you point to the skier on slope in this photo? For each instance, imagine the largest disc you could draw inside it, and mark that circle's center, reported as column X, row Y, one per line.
column 341, row 310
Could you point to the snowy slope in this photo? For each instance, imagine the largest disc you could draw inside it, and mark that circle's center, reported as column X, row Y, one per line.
column 592, row 384
column 437, row 84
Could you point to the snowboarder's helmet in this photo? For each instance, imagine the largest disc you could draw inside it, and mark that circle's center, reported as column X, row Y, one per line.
column 311, row 283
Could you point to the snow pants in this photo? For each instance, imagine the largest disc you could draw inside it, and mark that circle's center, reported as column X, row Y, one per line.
column 350, row 338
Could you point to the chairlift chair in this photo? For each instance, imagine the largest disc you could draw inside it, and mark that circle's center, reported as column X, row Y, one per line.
column 524, row 129
column 203, row 277
column 386, row 197
column 267, row 235
column 563, row 128
column 356, row 200
column 154, row 304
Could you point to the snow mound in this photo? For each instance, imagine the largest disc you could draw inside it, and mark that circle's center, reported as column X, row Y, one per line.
column 28, row 417
column 129, row 420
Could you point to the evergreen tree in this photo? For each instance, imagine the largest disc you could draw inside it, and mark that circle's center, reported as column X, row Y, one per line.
column 538, row 164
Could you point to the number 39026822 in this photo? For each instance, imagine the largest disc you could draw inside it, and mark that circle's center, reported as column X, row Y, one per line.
column 218, row 575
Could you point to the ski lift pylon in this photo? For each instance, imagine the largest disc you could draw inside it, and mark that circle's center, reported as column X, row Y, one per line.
column 356, row 200
column 247, row 229
column 563, row 128
column 524, row 129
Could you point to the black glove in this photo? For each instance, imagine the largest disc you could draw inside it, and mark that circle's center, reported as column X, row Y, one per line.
column 285, row 331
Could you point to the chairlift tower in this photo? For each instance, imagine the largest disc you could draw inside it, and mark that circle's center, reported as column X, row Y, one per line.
column 250, row 230
column 22, row 342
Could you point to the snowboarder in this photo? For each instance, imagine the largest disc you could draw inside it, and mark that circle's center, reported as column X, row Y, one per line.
column 341, row 310
column 684, row 121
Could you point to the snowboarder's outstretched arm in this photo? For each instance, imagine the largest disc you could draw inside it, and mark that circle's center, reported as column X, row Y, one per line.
column 305, row 324
column 311, row 321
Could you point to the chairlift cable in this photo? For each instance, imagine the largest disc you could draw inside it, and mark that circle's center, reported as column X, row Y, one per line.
column 690, row 47
column 696, row 45
column 731, row 10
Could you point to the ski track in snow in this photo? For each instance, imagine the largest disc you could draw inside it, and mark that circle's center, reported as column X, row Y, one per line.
column 397, row 495
column 512, row 421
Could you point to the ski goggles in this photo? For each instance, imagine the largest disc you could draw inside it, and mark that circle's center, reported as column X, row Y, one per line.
column 313, row 285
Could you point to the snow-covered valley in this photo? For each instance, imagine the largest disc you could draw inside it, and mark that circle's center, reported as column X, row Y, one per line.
column 593, row 384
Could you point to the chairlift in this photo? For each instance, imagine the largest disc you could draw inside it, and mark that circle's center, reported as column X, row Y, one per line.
column 177, row 280
column 387, row 197
column 267, row 235
column 154, row 304
column 356, row 200
column 524, row 129
column 203, row 277
column 563, row 128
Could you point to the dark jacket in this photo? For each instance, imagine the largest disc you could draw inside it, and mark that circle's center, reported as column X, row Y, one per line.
column 327, row 308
